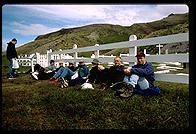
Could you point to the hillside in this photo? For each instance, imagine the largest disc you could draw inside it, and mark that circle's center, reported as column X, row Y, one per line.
column 105, row 33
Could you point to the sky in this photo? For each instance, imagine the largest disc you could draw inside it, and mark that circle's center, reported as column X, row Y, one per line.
column 26, row 22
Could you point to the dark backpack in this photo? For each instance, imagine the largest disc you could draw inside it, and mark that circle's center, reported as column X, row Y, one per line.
column 119, row 88
column 38, row 68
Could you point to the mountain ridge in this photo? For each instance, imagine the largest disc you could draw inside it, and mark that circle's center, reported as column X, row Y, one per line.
column 90, row 35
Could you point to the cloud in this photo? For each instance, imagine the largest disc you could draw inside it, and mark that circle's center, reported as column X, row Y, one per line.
column 33, row 20
column 167, row 9
column 32, row 29
column 4, row 45
column 68, row 11
column 124, row 15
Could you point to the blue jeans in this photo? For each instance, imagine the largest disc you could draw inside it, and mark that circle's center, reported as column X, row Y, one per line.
column 136, row 80
column 63, row 72
column 10, row 68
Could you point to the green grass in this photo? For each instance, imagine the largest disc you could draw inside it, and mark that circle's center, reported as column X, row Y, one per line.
column 41, row 105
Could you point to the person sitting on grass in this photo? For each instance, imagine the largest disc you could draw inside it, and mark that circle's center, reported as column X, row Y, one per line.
column 113, row 74
column 96, row 75
column 72, row 67
column 83, row 73
column 74, row 78
column 140, row 78
column 51, row 67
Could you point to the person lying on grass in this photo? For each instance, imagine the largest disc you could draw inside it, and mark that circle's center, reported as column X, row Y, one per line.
column 41, row 73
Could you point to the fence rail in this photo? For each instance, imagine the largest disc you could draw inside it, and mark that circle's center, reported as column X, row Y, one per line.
column 182, row 37
column 132, row 46
column 173, row 78
column 184, row 58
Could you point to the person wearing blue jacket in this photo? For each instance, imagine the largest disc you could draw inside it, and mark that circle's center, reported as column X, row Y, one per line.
column 82, row 72
column 140, row 76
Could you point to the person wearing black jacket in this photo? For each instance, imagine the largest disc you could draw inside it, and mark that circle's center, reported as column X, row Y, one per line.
column 72, row 67
column 11, row 53
column 113, row 74
column 45, row 73
column 96, row 76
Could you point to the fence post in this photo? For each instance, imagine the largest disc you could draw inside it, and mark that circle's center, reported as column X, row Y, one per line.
column 144, row 51
column 97, row 51
column 48, row 57
column 60, row 55
column 166, row 51
column 75, row 54
column 132, row 50
column 32, row 67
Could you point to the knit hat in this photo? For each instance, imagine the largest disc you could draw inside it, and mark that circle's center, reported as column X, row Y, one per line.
column 81, row 61
column 140, row 55
column 95, row 61
column 14, row 39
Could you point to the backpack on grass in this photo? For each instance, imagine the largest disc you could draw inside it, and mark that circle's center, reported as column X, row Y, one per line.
column 121, row 87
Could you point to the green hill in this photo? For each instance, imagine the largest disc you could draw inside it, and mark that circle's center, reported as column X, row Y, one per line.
column 105, row 33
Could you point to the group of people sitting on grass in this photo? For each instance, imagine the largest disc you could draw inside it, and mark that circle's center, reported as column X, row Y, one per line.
column 125, row 81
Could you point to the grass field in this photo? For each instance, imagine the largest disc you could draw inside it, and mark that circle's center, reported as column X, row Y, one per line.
column 28, row 104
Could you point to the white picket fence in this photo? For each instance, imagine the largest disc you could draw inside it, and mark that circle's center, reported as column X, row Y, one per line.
column 132, row 46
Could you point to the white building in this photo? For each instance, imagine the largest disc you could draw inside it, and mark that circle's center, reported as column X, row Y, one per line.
column 42, row 59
